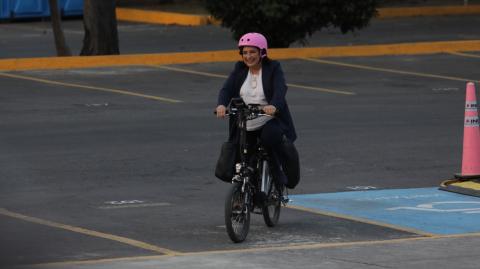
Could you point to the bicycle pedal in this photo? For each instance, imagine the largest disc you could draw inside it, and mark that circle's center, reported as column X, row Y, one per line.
column 285, row 200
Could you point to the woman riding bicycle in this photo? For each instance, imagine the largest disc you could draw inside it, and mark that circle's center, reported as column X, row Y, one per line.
column 260, row 80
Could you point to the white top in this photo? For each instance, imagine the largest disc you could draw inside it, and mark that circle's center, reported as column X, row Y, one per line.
column 252, row 93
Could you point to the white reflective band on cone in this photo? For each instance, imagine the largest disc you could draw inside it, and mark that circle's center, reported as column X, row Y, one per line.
column 471, row 106
column 471, row 121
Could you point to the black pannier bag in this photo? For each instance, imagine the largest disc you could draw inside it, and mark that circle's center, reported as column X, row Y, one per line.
column 226, row 162
column 291, row 166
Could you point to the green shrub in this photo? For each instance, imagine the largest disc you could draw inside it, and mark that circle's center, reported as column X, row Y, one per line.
column 284, row 22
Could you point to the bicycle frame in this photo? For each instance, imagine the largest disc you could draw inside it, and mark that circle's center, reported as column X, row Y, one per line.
column 244, row 173
column 252, row 185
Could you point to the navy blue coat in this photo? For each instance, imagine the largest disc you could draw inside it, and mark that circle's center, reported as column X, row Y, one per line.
column 274, row 88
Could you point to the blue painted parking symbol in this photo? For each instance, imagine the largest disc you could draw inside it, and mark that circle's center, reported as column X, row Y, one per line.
column 427, row 210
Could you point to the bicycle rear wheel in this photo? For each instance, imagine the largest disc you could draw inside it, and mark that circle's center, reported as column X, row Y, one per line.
column 272, row 206
column 237, row 213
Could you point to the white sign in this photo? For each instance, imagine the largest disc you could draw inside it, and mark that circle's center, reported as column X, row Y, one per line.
column 124, row 202
column 361, row 188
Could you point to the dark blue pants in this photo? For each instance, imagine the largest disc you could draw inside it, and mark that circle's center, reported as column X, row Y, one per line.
column 271, row 136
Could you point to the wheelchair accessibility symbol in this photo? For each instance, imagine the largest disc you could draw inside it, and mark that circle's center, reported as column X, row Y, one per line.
column 465, row 207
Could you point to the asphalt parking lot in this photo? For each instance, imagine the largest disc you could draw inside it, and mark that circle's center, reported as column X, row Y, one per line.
column 113, row 167
column 35, row 39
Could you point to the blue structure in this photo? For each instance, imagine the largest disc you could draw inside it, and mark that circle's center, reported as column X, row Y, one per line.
column 23, row 9
column 426, row 211
column 71, row 7
column 14, row 9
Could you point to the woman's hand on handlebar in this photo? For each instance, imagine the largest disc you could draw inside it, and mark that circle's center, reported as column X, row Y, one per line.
column 269, row 110
column 221, row 111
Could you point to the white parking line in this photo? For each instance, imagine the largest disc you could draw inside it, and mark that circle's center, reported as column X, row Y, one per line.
column 465, row 54
column 74, row 85
column 120, row 239
column 388, row 70
column 134, row 205
column 304, row 87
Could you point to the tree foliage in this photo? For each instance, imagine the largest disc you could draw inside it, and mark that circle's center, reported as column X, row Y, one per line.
column 284, row 22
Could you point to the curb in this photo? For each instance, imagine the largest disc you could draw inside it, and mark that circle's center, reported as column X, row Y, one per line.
column 385, row 13
column 161, row 17
column 467, row 187
column 21, row 64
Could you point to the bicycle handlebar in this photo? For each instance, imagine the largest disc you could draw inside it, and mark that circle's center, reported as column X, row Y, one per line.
column 237, row 105
column 255, row 113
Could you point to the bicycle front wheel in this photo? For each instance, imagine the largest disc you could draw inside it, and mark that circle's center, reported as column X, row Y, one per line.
column 237, row 213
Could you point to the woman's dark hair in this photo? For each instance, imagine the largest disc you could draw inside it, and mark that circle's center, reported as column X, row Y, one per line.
column 264, row 59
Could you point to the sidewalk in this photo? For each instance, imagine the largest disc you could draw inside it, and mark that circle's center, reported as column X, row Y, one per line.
column 459, row 252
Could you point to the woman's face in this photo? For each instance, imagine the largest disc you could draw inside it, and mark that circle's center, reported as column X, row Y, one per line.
column 251, row 56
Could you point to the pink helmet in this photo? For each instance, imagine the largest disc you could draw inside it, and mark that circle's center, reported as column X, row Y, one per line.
column 254, row 40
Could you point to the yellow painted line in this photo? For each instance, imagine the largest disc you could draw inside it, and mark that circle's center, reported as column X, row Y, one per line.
column 465, row 54
column 44, row 63
column 304, row 246
column 396, row 12
column 328, row 245
column 472, row 185
column 458, row 235
column 402, row 72
column 161, row 17
column 189, row 71
column 415, row 48
column 52, row 82
column 444, row 183
column 367, row 221
column 232, row 55
column 120, row 239
column 50, row 265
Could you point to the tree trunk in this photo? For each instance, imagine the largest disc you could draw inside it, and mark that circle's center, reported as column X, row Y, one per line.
column 60, row 44
column 100, row 23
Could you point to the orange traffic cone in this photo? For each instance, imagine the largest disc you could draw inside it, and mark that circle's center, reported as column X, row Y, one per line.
column 471, row 137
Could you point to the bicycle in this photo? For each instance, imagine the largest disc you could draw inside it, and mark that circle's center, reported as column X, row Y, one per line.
column 253, row 188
